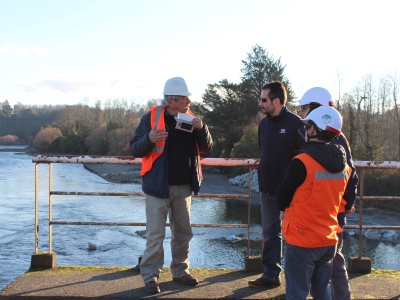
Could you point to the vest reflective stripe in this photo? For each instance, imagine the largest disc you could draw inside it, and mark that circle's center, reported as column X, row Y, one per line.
column 331, row 176
column 156, row 121
column 158, row 149
column 156, row 117
column 158, row 111
column 325, row 175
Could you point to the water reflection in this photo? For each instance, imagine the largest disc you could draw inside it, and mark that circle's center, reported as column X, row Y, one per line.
column 383, row 255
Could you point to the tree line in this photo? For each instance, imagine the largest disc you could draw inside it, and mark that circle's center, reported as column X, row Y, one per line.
column 370, row 111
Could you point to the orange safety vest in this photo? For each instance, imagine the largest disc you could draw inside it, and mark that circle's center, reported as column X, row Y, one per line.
column 156, row 122
column 311, row 219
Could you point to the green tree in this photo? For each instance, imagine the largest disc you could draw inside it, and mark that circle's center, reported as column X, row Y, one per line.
column 222, row 107
column 228, row 107
column 248, row 146
column 258, row 69
column 113, row 124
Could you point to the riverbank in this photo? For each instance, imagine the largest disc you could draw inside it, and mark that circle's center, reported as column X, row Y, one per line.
column 214, row 181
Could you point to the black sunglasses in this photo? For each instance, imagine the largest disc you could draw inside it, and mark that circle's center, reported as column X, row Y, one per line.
column 263, row 100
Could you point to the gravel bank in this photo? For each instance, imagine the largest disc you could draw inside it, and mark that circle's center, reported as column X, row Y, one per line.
column 213, row 183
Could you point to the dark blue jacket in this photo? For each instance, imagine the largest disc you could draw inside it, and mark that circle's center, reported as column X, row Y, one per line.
column 155, row 182
column 279, row 140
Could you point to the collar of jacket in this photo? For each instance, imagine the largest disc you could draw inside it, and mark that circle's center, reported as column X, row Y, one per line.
column 274, row 119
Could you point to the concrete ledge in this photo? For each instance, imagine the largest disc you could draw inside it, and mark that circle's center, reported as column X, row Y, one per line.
column 359, row 264
column 43, row 260
column 253, row 264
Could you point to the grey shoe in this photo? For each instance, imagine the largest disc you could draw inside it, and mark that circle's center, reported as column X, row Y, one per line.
column 186, row 280
column 152, row 287
column 263, row 282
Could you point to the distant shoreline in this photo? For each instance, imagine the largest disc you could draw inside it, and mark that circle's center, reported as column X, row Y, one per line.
column 14, row 148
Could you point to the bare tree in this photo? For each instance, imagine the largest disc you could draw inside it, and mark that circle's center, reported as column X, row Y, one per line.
column 396, row 110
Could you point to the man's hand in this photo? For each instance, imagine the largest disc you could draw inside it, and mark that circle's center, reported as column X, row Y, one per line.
column 157, row 135
column 197, row 123
column 350, row 211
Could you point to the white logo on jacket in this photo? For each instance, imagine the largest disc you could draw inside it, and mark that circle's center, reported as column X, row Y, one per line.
column 283, row 130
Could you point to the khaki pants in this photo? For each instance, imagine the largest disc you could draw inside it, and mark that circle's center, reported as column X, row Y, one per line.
column 177, row 208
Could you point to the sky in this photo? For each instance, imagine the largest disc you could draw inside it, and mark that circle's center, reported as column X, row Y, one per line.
column 80, row 51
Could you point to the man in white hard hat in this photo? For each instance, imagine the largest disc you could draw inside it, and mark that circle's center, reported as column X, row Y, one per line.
column 170, row 150
column 312, row 99
column 310, row 196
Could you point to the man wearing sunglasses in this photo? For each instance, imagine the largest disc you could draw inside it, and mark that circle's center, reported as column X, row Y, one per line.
column 312, row 99
column 279, row 140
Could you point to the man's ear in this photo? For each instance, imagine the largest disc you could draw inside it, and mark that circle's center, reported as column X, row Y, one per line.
column 313, row 129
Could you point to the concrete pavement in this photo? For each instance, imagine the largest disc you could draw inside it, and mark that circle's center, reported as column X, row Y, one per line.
column 126, row 283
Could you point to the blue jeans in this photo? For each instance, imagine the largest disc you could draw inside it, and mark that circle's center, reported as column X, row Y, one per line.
column 272, row 233
column 307, row 268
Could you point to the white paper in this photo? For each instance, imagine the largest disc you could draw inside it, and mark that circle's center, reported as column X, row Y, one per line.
column 185, row 117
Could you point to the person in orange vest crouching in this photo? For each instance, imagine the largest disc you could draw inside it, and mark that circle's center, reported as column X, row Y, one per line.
column 310, row 196
column 170, row 150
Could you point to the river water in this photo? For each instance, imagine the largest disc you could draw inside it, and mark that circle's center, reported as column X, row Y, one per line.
column 120, row 245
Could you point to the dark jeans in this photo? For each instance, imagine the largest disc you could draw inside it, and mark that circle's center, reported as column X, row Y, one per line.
column 272, row 232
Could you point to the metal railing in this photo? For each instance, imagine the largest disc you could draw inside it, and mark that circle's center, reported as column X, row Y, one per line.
column 217, row 162
column 74, row 159
column 361, row 166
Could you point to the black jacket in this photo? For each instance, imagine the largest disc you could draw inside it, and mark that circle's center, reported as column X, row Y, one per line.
column 155, row 182
column 279, row 141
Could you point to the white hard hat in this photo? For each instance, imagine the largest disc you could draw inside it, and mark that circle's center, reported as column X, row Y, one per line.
column 318, row 95
column 176, row 86
column 326, row 118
